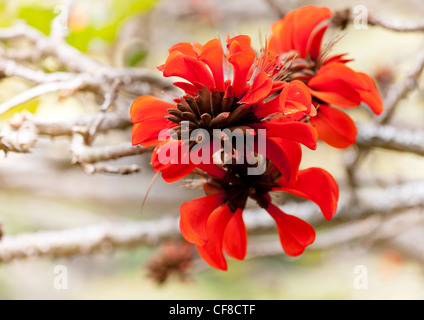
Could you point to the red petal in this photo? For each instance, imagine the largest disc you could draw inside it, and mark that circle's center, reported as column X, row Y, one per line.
column 295, row 97
column 372, row 97
column 335, row 92
column 238, row 44
column 294, row 154
column 268, row 108
column 177, row 166
column 146, row 133
column 339, row 71
column 259, row 90
column 307, row 19
column 297, row 131
column 295, row 30
column 281, row 39
column 314, row 43
column 211, row 252
column 337, row 58
column 334, row 127
column 146, row 108
column 277, row 155
column 188, row 68
column 187, row 87
column 318, row 186
column 194, row 215
column 295, row 234
column 185, row 48
column 213, row 55
column 235, row 236
column 212, row 170
column 241, row 56
column 148, row 115
column 174, row 172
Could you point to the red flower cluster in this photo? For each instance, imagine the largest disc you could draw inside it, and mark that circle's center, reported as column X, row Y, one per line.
column 331, row 82
column 279, row 101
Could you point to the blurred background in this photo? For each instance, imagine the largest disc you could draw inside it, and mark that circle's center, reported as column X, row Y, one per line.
column 42, row 190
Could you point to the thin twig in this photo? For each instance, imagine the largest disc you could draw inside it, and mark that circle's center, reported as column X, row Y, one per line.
column 39, row 90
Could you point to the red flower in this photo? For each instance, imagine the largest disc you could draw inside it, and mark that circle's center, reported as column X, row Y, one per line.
column 235, row 90
column 211, row 101
column 298, row 36
column 214, row 223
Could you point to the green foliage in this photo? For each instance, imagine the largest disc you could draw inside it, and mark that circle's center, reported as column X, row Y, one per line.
column 29, row 106
column 135, row 56
column 98, row 21
column 37, row 17
column 105, row 27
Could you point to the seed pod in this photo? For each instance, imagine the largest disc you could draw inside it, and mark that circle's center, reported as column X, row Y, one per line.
column 190, row 116
column 206, row 119
column 173, row 119
column 237, row 114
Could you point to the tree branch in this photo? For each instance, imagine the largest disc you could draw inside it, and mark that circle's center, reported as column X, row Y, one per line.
column 342, row 17
column 374, row 209
column 391, row 138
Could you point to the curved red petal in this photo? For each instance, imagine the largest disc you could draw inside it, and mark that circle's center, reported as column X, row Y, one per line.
column 259, row 90
column 172, row 159
column 334, row 127
column 148, row 115
column 185, row 48
column 296, row 30
column 295, row 97
column 188, row 68
column 307, row 19
column 337, row 58
column 293, row 151
column 147, row 108
column 282, row 34
column 314, row 42
column 235, row 236
column 146, row 133
column 339, row 71
column 212, row 252
column 319, row 186
column 372, row 97
column 174, row 172
column 238, row 44
column 268, row 108
column 241, row 62
column 335, row 92
column 275, row 152
column 295, row 234
column 297, row 131
column 241, row 56
column 194, row 215
column 187, row 87
column 212, row 169
column 213, row 55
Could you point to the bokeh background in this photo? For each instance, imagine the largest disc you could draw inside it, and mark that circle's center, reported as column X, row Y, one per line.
column 42, row 190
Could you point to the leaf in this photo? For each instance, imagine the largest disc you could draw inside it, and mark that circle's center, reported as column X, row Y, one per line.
column 29, row 106
column 135, row 56
column 37, row 17
column 88, row 26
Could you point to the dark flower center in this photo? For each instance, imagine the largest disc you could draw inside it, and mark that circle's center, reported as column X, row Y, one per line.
column 238, row 185
column 299, row 68
column 210, row 110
